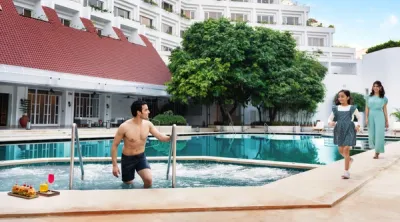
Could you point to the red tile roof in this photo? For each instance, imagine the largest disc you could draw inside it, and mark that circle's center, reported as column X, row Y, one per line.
column 51, row 46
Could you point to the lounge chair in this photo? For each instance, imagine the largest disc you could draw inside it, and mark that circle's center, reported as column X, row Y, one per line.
column 319, row 127
column 395, row 127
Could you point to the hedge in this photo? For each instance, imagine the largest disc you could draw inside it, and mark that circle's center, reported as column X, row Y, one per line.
column 389, row 44
column 168, row 119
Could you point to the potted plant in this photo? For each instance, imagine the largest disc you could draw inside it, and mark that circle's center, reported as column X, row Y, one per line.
column 24, row 120
column 396, row 115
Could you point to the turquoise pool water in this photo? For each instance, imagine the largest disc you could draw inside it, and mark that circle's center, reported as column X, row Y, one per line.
column 287, row 148
column 98, row 176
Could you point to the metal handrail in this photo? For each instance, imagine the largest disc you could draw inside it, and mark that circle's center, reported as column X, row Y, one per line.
column 266, row 127
column 74, row 135
column 172, row 152
column 79, row 152
column 233, row 128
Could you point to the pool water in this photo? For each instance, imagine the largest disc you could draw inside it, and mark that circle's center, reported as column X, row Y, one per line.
column 286, row 148
column 188, row 174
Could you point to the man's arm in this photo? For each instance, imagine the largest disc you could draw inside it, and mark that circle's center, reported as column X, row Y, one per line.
column 157, row 134
column 119, row 135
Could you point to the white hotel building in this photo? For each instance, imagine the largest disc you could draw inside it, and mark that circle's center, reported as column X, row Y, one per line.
column 163, row 22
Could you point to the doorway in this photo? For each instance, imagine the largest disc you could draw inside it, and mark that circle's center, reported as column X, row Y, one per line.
column 3, row 109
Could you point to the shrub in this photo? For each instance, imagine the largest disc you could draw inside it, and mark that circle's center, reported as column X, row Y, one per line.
column 396, row 114
column 389, row 44
column 168, row 118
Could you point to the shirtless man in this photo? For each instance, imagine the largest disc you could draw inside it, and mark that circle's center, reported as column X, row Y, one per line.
column 134, row 132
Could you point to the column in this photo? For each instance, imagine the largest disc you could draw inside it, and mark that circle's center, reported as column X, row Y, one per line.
column 21, row 92
column 67, row 108
column 107, row 107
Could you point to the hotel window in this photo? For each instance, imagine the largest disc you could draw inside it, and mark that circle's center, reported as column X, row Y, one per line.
column 23, row 11
column 99, row 31
column 182, row 33
column 87, row 105
column 94, row 3
column 266, row 1
column 167, row 29
column 291, row 20
column 212, row 15
column 65, row 22
column 45, row 107
column 266, row 19
column 122, row 13
column 297, row 38
column 146, row 21
column 188, row 14
column 312, row 41
column 239, row 17
column 166, row 48
column 167, row 7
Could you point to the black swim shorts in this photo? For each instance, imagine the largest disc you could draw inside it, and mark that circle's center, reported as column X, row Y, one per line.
column 131, row 163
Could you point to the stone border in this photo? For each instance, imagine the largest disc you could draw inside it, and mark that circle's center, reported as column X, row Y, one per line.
column 266, row 163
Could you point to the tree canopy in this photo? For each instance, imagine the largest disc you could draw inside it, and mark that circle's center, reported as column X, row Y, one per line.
column 232, row 64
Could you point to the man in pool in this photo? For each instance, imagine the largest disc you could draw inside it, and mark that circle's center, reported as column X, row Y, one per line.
column 134, row 132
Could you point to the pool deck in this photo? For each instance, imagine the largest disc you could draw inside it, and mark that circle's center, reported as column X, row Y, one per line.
column 315, row 195
column 22, row 135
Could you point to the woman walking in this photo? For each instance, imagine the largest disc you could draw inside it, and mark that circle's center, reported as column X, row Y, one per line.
column 377, row 118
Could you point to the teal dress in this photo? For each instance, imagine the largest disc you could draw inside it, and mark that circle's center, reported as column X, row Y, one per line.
column 376, row 123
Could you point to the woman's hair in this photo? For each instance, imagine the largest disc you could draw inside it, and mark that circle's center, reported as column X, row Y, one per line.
column 381, row 90
column 347, row 93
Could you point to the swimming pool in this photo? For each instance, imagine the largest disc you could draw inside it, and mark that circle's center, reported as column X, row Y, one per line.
column 98, row 176
column 286, row 148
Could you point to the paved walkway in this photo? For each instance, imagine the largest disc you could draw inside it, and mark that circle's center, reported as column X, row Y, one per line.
column 379, row 200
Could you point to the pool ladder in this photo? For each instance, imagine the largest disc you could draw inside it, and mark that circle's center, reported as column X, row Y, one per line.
column 75, row 139
column 172, row 152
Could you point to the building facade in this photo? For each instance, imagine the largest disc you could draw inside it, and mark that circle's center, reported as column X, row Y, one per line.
column 161, row 23
column 71, row 74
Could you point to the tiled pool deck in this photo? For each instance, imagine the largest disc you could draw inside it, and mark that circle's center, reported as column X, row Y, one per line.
column 315, row 195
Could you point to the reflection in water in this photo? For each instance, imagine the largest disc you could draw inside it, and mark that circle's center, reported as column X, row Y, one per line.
column 287, row 148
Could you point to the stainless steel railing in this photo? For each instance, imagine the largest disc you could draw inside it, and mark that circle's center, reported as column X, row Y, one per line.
column 172, row 152
column 75, row 139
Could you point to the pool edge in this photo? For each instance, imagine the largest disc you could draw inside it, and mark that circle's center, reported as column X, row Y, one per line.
column 266, row 163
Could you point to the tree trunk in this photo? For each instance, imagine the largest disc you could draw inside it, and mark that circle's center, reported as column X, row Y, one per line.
column 227, row 116
column 272, row 114
column 259, row 113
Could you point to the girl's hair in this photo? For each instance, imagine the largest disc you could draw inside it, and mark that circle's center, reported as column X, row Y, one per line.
column 347, row 93
column 381, row 90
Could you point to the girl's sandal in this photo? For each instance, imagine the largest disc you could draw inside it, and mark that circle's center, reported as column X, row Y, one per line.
column 346, row 176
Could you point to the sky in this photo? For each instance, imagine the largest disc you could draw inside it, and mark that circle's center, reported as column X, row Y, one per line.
column 358, row 23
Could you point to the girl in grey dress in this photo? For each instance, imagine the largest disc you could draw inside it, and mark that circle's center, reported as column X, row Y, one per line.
column 344, row 133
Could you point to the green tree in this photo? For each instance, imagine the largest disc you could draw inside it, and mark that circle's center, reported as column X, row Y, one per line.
column 274, row 51
column 215, row 65
column 231, row 64
column 298, row 87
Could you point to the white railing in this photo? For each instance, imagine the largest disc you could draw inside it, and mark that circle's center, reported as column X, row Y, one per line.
column 172, row 153
column 75, row 139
